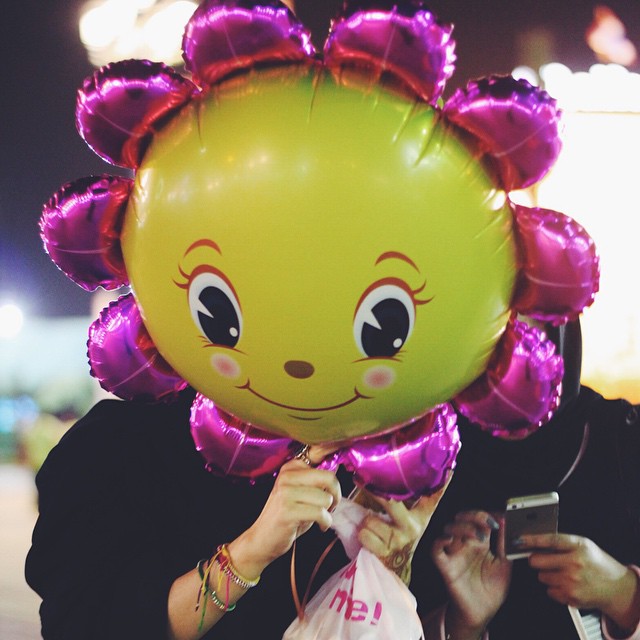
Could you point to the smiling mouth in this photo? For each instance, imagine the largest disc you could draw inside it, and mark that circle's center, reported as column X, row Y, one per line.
column 356, row 396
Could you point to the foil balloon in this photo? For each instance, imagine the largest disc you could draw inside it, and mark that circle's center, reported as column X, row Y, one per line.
column 232, row 447
column 225, row 37
column 406, row 41
column 404, row 464
column 80, row 228
column 409, row 462
column 559, row 270
column 320, row 248
column 311, row 335
column 120, row 104
column 124, row 359
column 517, row 123
column 522, row 389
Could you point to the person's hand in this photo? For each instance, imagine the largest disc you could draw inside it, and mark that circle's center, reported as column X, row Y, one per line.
column 394, row 539
column 302, row 495
column 580, row 574
column 477, row 579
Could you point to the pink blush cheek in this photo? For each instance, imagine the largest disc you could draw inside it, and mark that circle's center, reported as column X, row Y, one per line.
column 225, row 365
column 379, row 377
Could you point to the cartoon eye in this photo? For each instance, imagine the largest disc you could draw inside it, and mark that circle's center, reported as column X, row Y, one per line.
column 384, row 321
column 215, row 309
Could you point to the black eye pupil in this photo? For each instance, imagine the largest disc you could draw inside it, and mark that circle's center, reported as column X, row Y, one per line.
column 394, row 321
column 222, row 325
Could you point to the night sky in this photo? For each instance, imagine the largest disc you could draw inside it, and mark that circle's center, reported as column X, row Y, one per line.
column 43, row 64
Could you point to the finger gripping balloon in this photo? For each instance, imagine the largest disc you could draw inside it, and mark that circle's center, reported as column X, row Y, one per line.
column 318, row 247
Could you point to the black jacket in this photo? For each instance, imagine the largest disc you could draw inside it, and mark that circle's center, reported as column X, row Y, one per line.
column 126, row 506
column 600, row 500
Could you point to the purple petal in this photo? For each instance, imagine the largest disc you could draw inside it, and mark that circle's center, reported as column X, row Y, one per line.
column 516, row 123
column 412, row 46
column 231, row 447
column 559, row 266
column 80, row 228
column 409, row 462
column 520, row 389
column 124, row 359
column 122, row 104
column 223, row 38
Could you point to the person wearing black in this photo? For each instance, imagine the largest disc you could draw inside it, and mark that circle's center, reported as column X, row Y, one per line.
column 130, row 521
column 589, row 454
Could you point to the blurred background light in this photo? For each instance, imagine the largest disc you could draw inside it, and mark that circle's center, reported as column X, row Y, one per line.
column 605, row 87
column 118, row 29
column 607, row 38
column 11, row 320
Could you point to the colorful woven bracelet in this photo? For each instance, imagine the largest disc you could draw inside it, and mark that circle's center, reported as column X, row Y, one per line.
column 223, row 559
column 204, row 569
column 201, row 566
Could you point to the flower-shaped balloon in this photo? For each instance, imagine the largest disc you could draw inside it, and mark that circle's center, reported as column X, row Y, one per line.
column 319, row 246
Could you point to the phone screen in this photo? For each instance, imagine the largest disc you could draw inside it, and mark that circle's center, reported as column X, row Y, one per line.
column 529, row 515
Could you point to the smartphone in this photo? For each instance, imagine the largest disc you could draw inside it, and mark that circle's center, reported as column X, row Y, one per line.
column 528, row 515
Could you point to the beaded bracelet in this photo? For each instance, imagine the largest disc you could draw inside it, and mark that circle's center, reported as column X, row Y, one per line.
column 221, row 605
column 204, row 569
column 223, row 559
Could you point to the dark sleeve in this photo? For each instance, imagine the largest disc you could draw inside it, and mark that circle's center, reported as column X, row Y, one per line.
column 94, row 557
column 627, row 444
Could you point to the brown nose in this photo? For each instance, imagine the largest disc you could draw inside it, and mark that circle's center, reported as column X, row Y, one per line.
column 299, row 368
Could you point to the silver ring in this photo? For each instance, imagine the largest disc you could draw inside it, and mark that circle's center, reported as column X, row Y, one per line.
column 303, row 455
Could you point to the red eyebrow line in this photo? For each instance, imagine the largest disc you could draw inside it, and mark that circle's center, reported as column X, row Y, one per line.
column 396, row 255
column 204, row 242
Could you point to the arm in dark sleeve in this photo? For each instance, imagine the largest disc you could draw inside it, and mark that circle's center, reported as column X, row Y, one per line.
column 95, row 557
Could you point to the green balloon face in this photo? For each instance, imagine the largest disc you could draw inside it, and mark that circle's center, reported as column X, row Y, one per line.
column 323, row 261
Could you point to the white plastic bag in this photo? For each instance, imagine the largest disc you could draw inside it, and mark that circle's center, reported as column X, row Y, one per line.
column 363, row 601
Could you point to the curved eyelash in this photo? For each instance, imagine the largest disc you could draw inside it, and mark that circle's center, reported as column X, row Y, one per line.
column 415, row 292
column 186, row 279
column 189, row 277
